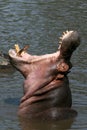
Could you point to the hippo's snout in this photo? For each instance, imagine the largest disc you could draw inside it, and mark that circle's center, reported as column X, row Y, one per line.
column 69, row 41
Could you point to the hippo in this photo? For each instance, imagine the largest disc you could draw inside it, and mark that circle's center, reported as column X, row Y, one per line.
column 4, row 59
column 47, row 94
column 5, row 65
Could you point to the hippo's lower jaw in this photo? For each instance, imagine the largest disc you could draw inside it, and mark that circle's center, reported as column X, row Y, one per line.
column 46, row 85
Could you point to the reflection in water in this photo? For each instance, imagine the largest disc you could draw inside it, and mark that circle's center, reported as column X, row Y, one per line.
column 4, row 69
column 45, row 125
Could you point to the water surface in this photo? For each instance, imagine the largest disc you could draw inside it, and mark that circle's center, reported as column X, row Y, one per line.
column 39, row 23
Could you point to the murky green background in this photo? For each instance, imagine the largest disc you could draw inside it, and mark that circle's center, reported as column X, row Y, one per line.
column 39, row 23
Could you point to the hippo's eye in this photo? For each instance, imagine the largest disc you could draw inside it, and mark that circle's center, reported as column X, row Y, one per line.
column 17, row 48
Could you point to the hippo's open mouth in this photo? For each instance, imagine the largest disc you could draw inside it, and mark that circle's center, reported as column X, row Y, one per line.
column 69, row 41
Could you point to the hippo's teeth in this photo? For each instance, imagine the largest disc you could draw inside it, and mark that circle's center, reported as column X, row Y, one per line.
column 60, row 42
column 65, row 35
column 60, row 38
column 17, row 48
column 67, row 31
column 22, row 51
column 26, row 47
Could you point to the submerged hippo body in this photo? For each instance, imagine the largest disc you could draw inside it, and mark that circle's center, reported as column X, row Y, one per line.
column 5, row 65
column 46, row 86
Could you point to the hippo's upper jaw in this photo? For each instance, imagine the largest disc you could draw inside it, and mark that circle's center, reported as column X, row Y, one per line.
column 69, row 41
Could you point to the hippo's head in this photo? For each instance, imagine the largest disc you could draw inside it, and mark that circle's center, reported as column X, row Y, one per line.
column 46, row 73
column 69, row 41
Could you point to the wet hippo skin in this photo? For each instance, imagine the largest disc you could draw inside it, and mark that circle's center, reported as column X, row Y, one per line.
column 46, row 86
